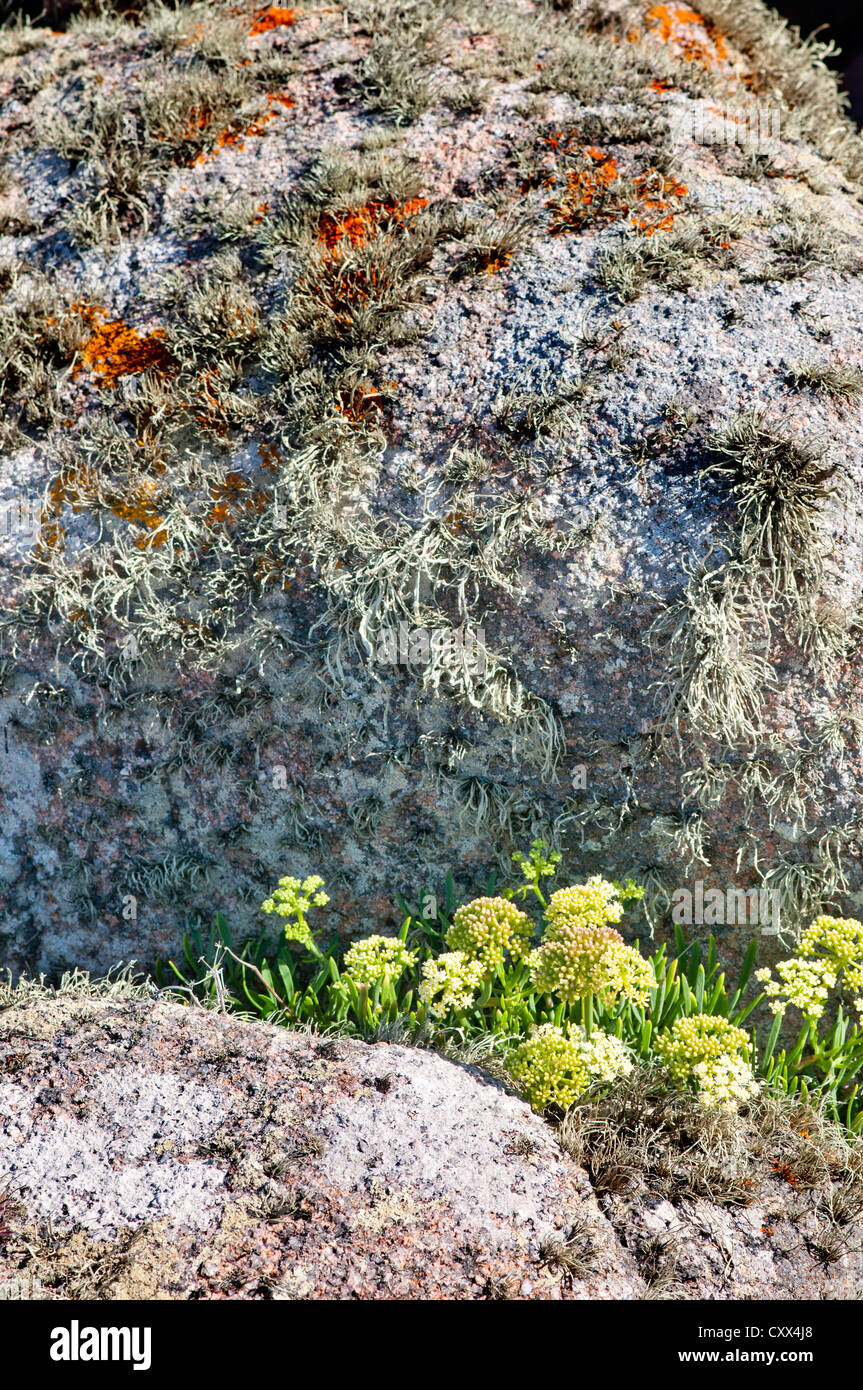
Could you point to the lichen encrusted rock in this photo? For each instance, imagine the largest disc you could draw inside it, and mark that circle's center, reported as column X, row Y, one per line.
column 149, row 1150
column 333, row 339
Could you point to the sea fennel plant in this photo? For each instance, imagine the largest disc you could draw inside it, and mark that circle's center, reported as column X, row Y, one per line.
column 559, row 999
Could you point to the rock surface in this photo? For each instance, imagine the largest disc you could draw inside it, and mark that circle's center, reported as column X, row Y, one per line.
column 148, row 1150
column 260, row 411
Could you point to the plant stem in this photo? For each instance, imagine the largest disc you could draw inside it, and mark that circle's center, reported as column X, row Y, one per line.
column 587, row 1014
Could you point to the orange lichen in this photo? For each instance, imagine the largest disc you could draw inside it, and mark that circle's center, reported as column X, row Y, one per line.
column 338, row 284
column 599, row 193
column 585, row 194
column 231, row 502
column 77, row 488
column 114, row 350
column 358, row 225
column 273, row 17
column 206, row 405
column 694, row 38
column 659, row 197
column 454, row 520
column 361, row 403
column 237, row 135
column 198, row 119
column 271, row 459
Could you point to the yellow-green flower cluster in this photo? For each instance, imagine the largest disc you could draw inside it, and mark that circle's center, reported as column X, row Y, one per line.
column 554, row 1066
column 591, row 904
column 725, row 1081
column 839, row 939
column 573, row 963
column 293, row 899
column 378, row 960
column 804, row 983
column 450, row 982
column 487, row 928
column 711, row 1053
column 829, row 953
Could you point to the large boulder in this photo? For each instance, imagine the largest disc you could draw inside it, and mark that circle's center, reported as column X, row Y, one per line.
column 424, row 428
column 148, row 1150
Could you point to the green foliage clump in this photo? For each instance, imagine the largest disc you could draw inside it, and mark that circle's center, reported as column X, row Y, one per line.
column 465, row 977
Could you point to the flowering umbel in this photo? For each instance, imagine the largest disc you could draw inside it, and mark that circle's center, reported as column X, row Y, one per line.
column 829, row 954
column 710, row 1053
column 581, row 954
column 488, row 928
column 450, row 983
column 591, row 904
column 378, row 960
column 293, row 899
column 556, row 1066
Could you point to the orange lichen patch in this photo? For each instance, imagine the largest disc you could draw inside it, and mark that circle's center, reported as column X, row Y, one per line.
column 363, row 402
column 693, row 37
column 139, row 507
column 540, row 178
column 560, row 139
column 783, row 1171
column 273, row 17
column 77, row 488
column 114, row 350
column 151, row 542
column 72, row 485
column 490, row 263
column 51, row 534
column 268, row 570
column 586, row 193
column 237, row 135
column 599, row 193
column 454, row 520
column 271, row 459
column 199, row 119
column 206, row 406
column 231, row 502
column 357, row 225
column 659, row 198
column 342, row 287
column 337, row 283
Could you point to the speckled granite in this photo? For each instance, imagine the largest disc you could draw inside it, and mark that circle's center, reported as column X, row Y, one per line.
column 153, row 1151
column 142, row 782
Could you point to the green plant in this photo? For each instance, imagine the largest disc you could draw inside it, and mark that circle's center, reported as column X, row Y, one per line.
column 463, row 979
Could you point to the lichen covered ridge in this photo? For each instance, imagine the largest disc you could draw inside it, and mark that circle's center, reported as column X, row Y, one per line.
column 421, row 434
